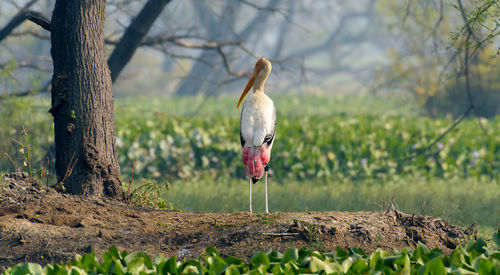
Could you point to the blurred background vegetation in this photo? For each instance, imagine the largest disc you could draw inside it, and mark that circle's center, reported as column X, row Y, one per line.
column 363, row 89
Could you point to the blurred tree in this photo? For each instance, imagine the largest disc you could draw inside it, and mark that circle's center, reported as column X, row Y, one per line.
column 443, row 55
column 211, row 42
column 134, row 35
column 123, row 50
column 216, row 28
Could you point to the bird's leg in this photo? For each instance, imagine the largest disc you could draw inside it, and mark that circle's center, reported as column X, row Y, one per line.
column 265, row 186
column 250, row 192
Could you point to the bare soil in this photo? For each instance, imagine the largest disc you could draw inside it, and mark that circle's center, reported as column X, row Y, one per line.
column 39, row 224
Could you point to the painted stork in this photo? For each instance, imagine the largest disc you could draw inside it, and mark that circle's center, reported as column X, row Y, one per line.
column 257, row 127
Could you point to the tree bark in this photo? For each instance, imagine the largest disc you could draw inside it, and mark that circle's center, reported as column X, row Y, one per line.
column 82, row 101
column 133, row 36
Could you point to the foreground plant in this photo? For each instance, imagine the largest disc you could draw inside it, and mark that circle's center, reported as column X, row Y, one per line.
column 476, row 257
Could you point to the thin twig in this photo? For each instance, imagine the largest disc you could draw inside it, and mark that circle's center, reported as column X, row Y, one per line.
column 70, row 167
column 45, row 88
column 47, row 172
column 451, row 213
column 129, row 189
column 426, row 148
column 39, row 19
column 468, row 88
column 280, row 234
column 227, row 66
column 12, row 161
column 407, row 12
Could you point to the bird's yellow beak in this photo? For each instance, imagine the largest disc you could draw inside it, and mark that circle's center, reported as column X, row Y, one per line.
column 250, row 83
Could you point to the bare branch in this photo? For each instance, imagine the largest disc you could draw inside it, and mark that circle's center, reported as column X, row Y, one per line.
column 45, row 88
column 428, row 147
column 38, row 19
column 269, row 9
column 16, row 20
column 32, row 33
column 467, row 85
column 469, row 22
column 407, row 12
column 207, row 45
column 436, row 25
column 227, row 66
column 28, row 63
column 334, row 35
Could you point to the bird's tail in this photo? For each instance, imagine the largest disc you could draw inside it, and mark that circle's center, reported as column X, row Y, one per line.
column 255, row 160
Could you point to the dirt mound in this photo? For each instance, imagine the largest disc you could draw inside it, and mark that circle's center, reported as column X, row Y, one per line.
column 38, row 224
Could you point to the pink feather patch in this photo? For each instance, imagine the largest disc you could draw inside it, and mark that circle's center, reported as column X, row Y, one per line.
column 255, row 159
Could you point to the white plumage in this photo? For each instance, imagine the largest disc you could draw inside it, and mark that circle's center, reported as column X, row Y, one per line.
column 257, row 118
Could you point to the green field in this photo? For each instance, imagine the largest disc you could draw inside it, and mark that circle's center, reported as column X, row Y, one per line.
column 331, row 153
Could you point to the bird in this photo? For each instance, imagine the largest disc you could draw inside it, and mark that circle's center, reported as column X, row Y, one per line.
column 257, row 128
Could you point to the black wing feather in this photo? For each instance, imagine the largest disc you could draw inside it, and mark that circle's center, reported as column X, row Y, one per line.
column 268, row 140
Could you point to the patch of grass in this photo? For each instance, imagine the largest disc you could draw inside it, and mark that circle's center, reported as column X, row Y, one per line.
column 26, row 133
column 270, row 218
column 3, row 184
column 312, row 231
column 147, row 192
column 162, row 224
column 220, row 224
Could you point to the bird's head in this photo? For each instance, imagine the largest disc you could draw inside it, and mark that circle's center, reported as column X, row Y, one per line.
column 260, row 73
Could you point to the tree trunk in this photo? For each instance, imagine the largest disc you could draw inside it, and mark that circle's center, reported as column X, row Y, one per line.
column 133, row 36
column 82, row 101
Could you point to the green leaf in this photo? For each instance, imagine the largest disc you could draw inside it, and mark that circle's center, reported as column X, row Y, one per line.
column 233, row 261
column 260, row 258
column 485, row 267
column 346, row 264
column 138, row 258
column 376, row 262
column 212, row 251
column 480, row 245
column 232, row 270
column 316, row 265
column 359, row 267
column 289, row 255
column 435, row 267
column 27, row 268
column 170, row 266
column 496, row 238
column 113, row 252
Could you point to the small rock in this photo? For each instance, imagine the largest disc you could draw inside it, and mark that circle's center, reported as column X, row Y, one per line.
column 183, row 253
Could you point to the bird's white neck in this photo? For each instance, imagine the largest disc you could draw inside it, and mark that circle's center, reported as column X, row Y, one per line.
column 260, row 81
